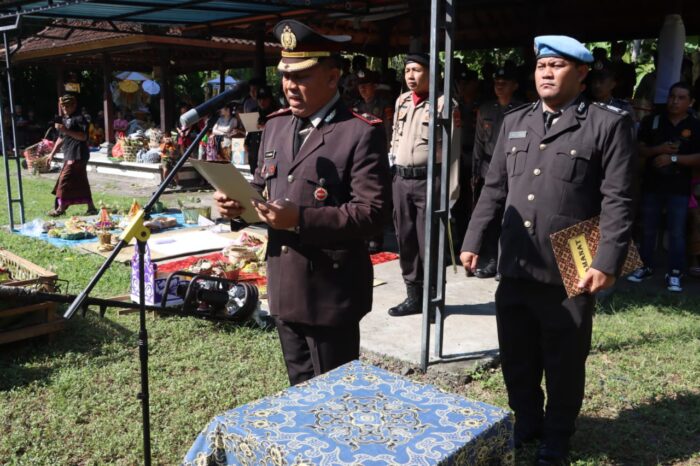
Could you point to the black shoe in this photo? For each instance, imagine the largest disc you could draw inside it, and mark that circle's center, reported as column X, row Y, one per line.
column 411, row 305
column 553, row 452
column 525, row 434
column 488, row 271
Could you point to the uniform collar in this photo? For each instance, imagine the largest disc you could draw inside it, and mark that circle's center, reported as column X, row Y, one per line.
column 320, row 115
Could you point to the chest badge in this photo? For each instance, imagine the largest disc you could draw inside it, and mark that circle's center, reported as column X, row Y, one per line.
column 320, row 193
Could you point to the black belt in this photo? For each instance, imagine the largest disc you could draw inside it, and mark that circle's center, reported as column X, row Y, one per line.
column 412, row 173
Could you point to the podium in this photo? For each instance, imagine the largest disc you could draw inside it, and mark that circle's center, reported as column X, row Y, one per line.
column 358, row 414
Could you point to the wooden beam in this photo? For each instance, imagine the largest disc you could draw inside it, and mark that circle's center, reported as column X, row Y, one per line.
column 107, row 104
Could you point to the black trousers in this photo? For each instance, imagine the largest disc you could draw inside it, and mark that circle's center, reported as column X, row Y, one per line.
column 541, row 331
column 409, row 196
column 311, row 350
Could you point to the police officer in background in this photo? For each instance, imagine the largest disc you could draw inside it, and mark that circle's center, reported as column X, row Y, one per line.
column 488, row 124
column 556, row 163
column 409, row 151
column 371, row 104
column 602, row 84
column 324, row 173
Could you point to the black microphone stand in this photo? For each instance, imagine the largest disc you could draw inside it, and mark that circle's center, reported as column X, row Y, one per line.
column 136, row 230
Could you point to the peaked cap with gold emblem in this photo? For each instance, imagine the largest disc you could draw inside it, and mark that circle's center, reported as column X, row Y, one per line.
column 302, row 46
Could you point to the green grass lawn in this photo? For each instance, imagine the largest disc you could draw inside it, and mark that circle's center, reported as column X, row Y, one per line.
column 74, row 401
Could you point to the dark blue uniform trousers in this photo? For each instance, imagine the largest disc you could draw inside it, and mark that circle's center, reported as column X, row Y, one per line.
column 541, row 331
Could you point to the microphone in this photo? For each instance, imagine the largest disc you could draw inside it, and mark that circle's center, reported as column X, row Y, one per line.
column 192, row 116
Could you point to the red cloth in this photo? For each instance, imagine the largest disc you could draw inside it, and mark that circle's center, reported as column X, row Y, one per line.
column 382, row 257
column 418, row 98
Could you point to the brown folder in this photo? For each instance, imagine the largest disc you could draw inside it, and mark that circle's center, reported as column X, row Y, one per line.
column 576, row 246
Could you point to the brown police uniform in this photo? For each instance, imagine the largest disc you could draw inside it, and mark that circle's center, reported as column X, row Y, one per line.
column 320, row 278
column 546, row 181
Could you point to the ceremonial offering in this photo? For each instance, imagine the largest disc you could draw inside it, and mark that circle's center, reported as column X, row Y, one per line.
column 75, row 228
column 574, row 249
column 358, row 414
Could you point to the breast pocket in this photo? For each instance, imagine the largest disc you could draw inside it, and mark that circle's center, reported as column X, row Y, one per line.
column 400, row 121
column 572, row 165
column 425, row 127
column 516, row 157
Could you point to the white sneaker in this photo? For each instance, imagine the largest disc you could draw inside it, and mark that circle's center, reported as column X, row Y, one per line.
column 673, row 281
column 639, row 275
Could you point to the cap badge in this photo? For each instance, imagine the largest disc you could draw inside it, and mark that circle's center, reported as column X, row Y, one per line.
column 598, row 66
column 361, row 74
column 288, row 39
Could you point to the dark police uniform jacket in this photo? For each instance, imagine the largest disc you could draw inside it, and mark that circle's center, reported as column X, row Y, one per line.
column 488, row 124
column 322, row 274
column 581, row 168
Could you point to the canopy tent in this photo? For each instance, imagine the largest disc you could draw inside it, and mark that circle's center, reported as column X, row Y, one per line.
column 193, row 12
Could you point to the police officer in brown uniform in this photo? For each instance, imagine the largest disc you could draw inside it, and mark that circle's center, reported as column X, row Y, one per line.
column 557, row 162
column 409, row 154
column 324, row 173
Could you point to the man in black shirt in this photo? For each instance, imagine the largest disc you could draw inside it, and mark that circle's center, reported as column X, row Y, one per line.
column 669, row 143
column 72, row 186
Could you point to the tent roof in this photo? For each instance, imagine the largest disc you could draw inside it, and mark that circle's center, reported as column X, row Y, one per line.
column 132, row 47
column 157, row 11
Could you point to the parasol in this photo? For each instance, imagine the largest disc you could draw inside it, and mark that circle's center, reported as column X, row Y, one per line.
column 132, row 76
column 228, row 81
column 151, row 87
column 128, row 86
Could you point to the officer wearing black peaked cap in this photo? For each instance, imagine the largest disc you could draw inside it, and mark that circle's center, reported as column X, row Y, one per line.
column 324, row 173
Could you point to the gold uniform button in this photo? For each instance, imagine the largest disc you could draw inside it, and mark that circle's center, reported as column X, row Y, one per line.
column 290, row 178
column 536, row 171
column 527, row 223
column 543, row 146
column 573, row 152
column 530, row 197
column 285, row 249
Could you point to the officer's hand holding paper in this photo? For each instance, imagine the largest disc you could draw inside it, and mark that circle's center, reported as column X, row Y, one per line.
column 233, row 190
column 281, row 214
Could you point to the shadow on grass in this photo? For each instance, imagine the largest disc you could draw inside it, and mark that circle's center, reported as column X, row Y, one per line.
column 663, row 432
column 628, row 296
column 32, row 360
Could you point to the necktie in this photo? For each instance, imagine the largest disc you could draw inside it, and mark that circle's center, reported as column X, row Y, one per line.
column 302, row 129
column 549, row 118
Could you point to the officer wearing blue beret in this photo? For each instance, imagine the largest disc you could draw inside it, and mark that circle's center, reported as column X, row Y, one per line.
column 556, row 163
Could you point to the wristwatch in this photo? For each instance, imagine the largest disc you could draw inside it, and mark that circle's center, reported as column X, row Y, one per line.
column 674, row 158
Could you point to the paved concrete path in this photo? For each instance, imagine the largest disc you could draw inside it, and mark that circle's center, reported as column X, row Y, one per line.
column 470, row 336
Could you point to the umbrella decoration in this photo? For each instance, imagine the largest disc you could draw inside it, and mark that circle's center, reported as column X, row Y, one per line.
column 151, row 87
column 132, row 76
column 128, row 86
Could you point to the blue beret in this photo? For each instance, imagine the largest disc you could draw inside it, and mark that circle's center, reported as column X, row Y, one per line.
column 562, row 46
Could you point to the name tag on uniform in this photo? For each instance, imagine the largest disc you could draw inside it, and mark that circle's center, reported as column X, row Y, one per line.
column 517, row 134
column 270, row 154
